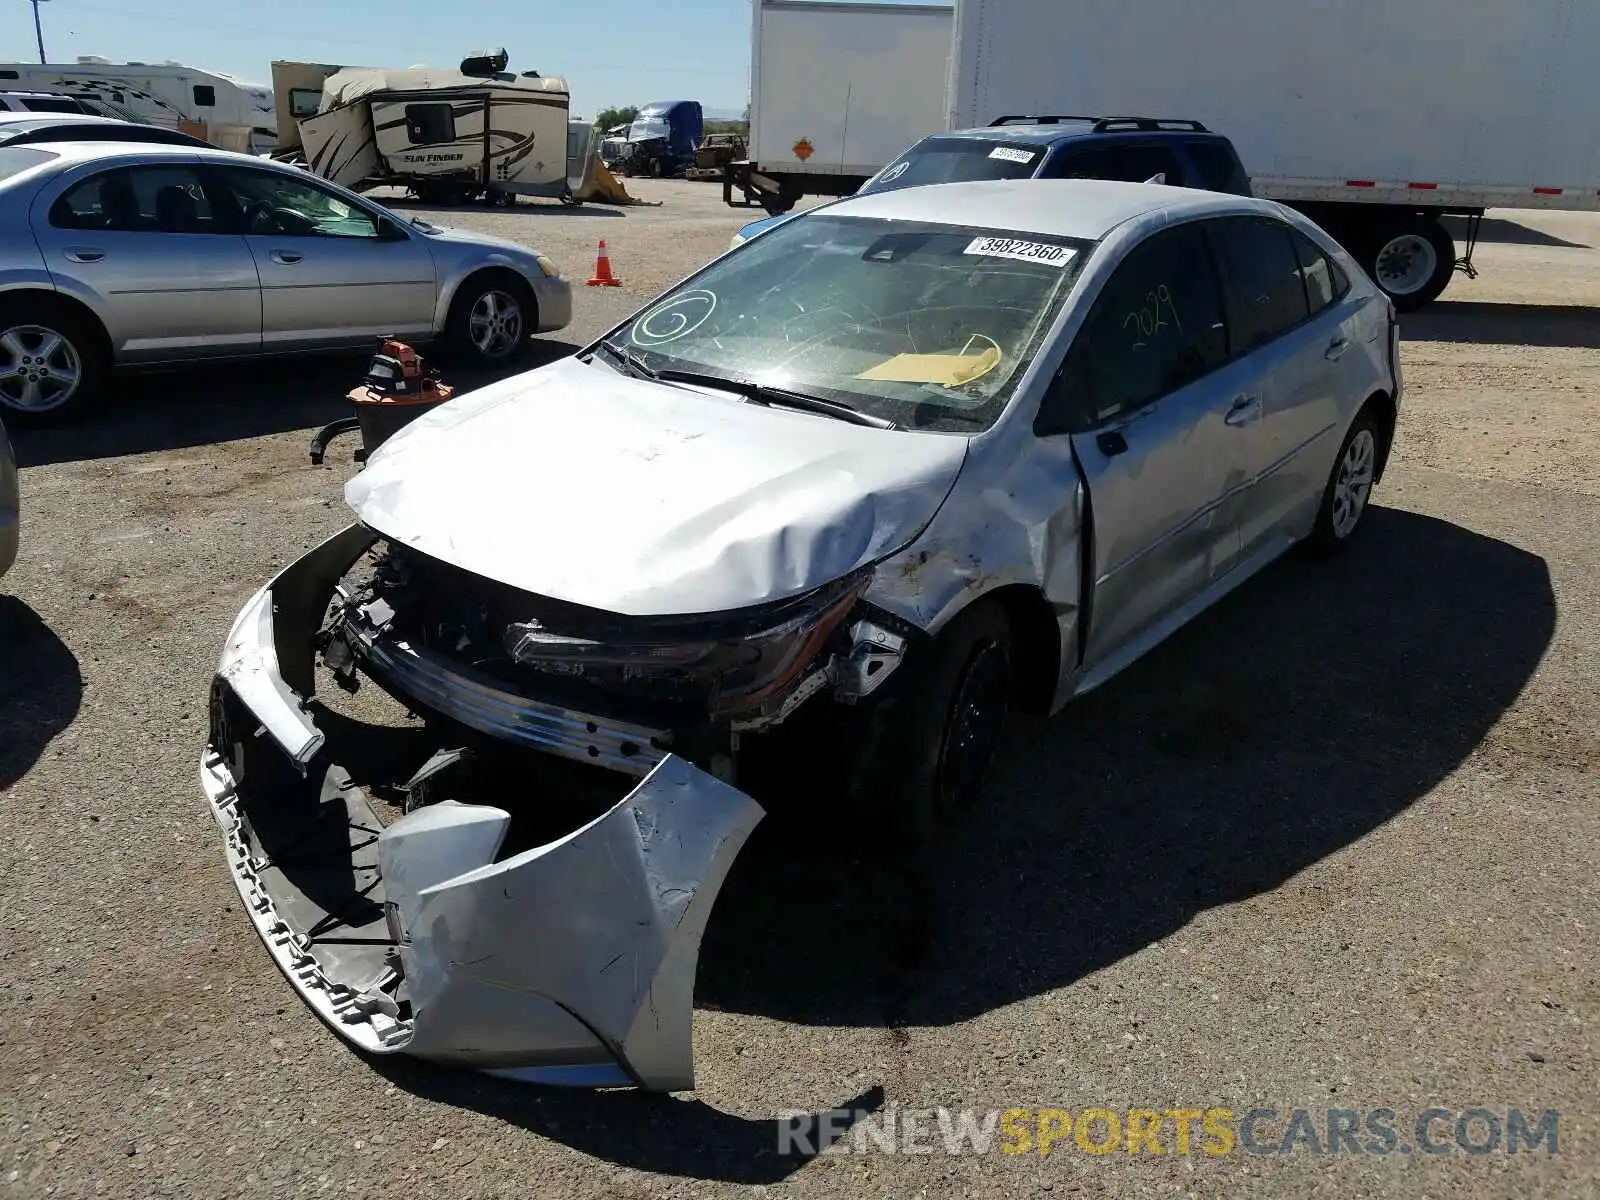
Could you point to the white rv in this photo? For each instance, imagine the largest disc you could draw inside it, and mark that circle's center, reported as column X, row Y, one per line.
column 224, row 111
column 449, row 135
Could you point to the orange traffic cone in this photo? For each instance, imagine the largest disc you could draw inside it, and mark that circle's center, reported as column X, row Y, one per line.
column 602, row 269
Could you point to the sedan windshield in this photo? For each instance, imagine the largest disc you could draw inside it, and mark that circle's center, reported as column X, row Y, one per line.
column 926, row 326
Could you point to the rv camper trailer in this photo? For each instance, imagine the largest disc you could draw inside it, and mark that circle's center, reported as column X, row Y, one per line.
column 217, row 108
column 450, row 136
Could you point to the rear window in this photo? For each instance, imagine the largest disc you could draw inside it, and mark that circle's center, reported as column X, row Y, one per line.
column 61, row 104
column 958, row 160
column 16, row 159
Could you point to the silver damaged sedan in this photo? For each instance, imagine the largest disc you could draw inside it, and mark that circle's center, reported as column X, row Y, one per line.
column 894, row 471
column 147, row 255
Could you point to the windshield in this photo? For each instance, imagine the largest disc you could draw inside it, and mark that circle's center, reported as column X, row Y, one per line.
column 957, row 160
column 16, row 159
column 645, row 128
column 928, row 326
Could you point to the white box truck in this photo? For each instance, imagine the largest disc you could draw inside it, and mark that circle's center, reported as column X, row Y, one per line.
column 1374, row 118
column 837, row 90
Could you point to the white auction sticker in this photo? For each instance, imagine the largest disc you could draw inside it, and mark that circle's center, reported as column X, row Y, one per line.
column 1039, row 252
column 1010, row 155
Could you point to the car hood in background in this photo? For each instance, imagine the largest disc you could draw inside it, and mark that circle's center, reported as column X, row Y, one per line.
column 647, row 499
column 469, row 237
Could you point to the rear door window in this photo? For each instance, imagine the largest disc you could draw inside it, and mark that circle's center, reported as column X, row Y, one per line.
column 153, row 199
column 1261, row 274
column 958, row 160
column 1325, row 282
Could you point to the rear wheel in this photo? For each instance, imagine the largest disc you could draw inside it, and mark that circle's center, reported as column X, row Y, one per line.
column 1349, row 487
column 50, row 362
column 1412, row 260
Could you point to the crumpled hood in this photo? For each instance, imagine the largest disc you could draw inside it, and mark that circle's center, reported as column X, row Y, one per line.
column 648, row 499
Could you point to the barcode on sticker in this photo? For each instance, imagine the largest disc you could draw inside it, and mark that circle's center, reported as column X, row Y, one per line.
column 1010, row 155
column 1039, row 252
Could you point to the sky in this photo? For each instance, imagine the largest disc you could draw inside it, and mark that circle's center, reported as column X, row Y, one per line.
column 612, row 52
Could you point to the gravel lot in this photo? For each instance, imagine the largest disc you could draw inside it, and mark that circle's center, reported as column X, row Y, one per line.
column 1335, row 845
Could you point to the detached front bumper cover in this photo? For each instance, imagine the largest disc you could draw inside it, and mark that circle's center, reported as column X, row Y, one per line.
column 572, row 962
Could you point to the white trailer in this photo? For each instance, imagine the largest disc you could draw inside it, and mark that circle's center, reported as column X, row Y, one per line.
column 1375, row 119
column 227, row 112
column 836, row 92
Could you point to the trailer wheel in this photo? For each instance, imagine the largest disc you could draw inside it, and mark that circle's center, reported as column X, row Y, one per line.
column 1412, row 261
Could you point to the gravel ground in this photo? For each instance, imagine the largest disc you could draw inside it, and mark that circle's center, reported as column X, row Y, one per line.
column 1334, row 846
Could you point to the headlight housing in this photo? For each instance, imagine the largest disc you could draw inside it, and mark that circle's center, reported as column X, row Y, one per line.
column 734, row 664
column 547, row 267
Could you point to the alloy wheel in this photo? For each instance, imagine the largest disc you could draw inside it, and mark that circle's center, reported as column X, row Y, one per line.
column 40, row 369
column 1353, row 484
column 495, row 324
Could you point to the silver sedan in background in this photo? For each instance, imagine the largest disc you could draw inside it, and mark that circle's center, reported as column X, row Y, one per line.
column 148, row 255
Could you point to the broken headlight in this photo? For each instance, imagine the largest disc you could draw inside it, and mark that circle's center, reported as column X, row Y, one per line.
column 734, row 664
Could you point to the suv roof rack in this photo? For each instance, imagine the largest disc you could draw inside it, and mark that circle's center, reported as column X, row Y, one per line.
column 1102, row 124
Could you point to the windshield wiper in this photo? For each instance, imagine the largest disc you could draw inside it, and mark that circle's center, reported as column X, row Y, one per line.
column 775, row 397
column 751, row 392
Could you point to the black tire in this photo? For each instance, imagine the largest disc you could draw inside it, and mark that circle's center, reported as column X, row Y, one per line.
column 909, row 775
column 30, row 392
column 1334, row 528
column 464, row 334
column 1399, row 249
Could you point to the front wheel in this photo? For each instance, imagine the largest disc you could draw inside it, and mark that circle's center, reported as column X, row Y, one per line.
column 1349, row 488
column 491, row 319
column 925, row 748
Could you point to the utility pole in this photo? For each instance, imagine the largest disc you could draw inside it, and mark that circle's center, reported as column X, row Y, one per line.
column 38, row 30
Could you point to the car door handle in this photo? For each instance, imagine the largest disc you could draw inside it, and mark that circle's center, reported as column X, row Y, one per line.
column 287, row 257
column 1336, row 349
column 1244, row 410
column 84, row 254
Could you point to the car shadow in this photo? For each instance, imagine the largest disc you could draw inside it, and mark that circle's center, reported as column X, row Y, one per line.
column 1302, row 713
column 1482, row 323
column 41, row 688
column 201, row 406
column 1293, row 719
column 1506, row 232
column 646, row 1131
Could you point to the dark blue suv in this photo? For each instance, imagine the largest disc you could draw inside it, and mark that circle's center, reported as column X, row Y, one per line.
column 1131, row 149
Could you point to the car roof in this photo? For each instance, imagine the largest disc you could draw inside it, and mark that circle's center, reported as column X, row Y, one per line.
column 1071, row 208
column 1050, row 133
column 11, row 116
column 87, row 149
column 38, row 120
